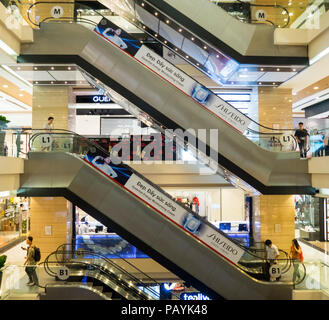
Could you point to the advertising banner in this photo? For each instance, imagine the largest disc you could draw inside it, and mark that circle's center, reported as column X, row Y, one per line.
column 173, row 75
column 164, row 205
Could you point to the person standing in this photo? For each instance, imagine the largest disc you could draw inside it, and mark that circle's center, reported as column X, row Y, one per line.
column 46, row 138
column 272, row 253
column 301, row 136
column 296, row 255
column 30, row 263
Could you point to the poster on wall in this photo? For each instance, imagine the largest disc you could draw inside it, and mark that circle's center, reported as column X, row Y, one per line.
column 173, row 75
column 164, row 205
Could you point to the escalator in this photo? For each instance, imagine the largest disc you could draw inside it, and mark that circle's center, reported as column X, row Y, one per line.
column 267, row 171
column 143, row 214
column 211, row 24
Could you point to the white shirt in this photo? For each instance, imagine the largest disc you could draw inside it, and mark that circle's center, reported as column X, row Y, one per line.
column 48, row 126
column 272, row 252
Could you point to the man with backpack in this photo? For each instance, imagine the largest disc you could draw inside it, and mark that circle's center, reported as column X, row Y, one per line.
column 32, row 258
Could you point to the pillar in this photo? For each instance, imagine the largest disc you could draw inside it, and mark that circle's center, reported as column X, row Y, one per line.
column 50, row 101
column 274, row 215
column 274, row 219
column 51, row 221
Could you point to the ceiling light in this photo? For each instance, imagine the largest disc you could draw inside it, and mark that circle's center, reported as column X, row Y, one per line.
column 259, row 83
column 21, row 89
column 176, row 49
column 294, row 93
column 52, row 68
column 205, row 47
column 316, row 88
column 65, row 82
column 187, row 57
column 294, row 70
column 273, row 82
column 156, row 13
column 165, row 41
column 180, row 30
column 285, row 19
column 278, row 69
column 198, row 64
column 144, row 27
column 192, row 39
column 155, row 35
column 167, row 21
column 52, row 82
column 69, row 68
column 35, row 68
column 21, row 95
column 283, row 12
column 143, row 4
column 36, row 82
column 261, row 69
column 18, row 68
column 5, row 85
column 217, row 56
column 291, row 14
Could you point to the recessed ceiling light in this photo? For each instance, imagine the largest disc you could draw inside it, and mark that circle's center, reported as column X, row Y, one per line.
column 273, row 82
column 294, row 70
column 35, row 68
column 180, row 30
column 18, row 68
column 187, row 57
column 278, row 69
column 52, row 82
column 198, row 64
column 165, row 41
column 217, row 56
column 37, row 82
column 176, row 49
column 259, row 83
column 144, row 27
column 167, row 21
column 155, row 35
column 156, row 13
column 192, row 38
column 21, row 94
column 283, row 12
column 69, row 68
column 5, row 85
column 143, row 4
column 316, row 88
column 52, row 68
column 65, row 82
column 205, row 47
column 294, row 93
column 291, row 14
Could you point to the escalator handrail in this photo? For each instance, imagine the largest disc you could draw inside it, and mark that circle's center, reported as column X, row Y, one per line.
column 86, row 264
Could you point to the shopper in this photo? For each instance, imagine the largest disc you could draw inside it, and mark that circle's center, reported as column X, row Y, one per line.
column 30, row 263
column 296, row 255
column 272, row 253
column 301, row 136
column 47, row 138
column 49, row 126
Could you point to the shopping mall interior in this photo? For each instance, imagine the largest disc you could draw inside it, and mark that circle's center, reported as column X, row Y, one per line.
column 111, row 190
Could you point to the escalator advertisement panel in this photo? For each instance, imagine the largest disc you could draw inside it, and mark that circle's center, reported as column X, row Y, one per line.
column 173, row 75
column 165, row 206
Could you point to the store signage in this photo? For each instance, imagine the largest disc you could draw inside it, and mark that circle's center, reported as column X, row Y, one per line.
column 173, row 75
column 193, row 296
column 166, row 206
column 93, row 99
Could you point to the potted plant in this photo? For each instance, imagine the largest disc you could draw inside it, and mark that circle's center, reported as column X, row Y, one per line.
column 3, row 259
column 3, row 125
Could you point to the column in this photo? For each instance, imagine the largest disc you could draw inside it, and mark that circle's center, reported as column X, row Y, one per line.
column 274, row 215
column 274, row 219
column 50, row 101
column 50, row 223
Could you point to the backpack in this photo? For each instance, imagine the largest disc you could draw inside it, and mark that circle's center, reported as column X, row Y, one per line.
column 37, row 254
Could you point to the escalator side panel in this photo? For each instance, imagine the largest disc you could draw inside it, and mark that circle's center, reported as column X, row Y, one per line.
column 151, row 228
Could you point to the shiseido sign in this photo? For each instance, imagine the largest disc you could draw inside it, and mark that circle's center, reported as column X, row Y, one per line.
column 93, row 99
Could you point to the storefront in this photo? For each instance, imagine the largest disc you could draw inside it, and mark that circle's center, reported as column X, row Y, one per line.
column 14, row 218
column 311, row 218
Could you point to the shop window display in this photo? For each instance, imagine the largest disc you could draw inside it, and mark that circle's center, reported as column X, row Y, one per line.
column 307, row 217
column 14, row 222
